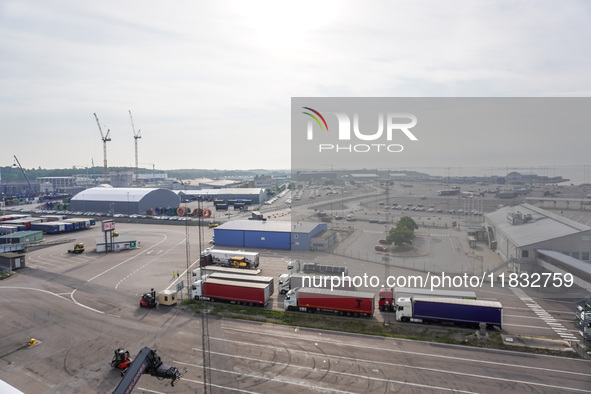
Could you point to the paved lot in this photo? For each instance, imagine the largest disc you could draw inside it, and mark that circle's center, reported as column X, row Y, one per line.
column 82, row 307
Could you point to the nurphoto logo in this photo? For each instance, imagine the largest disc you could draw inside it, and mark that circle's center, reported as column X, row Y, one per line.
column 396, row 124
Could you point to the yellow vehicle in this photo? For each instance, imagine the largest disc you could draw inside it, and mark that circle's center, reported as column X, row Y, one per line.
column 212, row 225
column 78, row 248
column 239, row 262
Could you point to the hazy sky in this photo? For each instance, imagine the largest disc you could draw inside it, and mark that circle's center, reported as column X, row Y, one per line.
column 209, row 83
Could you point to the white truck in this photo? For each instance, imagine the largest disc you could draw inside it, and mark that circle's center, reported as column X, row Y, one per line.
column 223, row 257
column 287, row 282
column 297, row 267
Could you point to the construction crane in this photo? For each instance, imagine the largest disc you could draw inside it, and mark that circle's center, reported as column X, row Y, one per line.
column 136, row 136
column 106, row 138
column 25, row 175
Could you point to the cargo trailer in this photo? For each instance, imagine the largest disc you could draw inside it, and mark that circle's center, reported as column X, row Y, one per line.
column 343, row 302
column 452, row 310
column 231, row 291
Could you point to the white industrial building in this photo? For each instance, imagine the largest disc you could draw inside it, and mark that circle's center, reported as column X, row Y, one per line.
column 517, row 232
column 124, row 200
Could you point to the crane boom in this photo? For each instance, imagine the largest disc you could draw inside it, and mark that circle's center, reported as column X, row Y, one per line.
column 105, row 139
column 24, row 174
column 136, row 136
column 147, row 361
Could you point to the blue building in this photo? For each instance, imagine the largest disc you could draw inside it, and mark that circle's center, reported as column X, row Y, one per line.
column 268, row 234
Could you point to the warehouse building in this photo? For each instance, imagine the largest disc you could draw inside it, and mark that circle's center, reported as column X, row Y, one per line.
column 517, row 232
column 124, row 200
column 22, row 237
column 268, row 234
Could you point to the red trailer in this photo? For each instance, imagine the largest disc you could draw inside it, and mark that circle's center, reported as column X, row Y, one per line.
column 232, row 291
column 343, row 302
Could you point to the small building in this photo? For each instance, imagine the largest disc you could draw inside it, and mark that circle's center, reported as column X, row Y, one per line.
column 21, row 237
column 12, row 261
column 324, row 240
column 119, row 243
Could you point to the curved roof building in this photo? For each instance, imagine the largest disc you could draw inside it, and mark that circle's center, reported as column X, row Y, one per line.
column 123, row 200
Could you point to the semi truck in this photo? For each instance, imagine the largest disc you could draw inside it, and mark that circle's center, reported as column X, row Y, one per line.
column 228, row 258
column 388, row 296
column 452, row 310
column 231, row 291
column 286, row 282
column 297, row 267
column 343, row 302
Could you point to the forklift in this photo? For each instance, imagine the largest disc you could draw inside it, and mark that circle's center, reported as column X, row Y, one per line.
column 149, row 300
column 121, row 360
column 78, row 248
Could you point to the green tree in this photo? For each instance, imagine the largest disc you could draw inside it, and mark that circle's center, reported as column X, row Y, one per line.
column 400, row 235
column 407, row 222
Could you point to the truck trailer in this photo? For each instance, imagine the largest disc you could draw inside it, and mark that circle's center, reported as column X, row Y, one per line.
column 388, row 296
column 231, row 291
column 343, row 302
column 297, row 267
column 287, row 282
column 225, row 258
column 452, row 310
column 245, row 278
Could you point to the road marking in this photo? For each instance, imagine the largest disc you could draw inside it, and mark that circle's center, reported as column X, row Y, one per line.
column 307, row 384
column 393, row 365
column 391, row 350
column 125, row 261
column 538, row 310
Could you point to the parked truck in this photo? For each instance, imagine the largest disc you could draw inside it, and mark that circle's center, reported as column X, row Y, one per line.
column 288, row 281
column 229, row 258
column 343, row 302
column 231, row 291
column 388, row 296
column 297, row 267
column 454, row 310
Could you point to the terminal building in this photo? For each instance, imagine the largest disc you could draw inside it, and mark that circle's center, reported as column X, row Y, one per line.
column 517, row 232
column 269, row 234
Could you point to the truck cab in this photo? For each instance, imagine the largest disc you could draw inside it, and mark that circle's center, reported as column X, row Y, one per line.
column 283, row 283
column 386, row 299
column 291, row 300
column 293, row 266
column 403, row 309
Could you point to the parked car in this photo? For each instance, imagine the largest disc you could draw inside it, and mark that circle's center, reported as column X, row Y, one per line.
column 381, row 248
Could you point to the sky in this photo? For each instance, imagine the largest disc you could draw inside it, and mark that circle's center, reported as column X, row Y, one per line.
column 209, row 84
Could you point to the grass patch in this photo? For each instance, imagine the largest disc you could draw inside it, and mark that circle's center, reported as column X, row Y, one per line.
column 439, row 334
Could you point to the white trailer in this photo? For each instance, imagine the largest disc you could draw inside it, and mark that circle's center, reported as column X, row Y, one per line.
column 222, row 257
